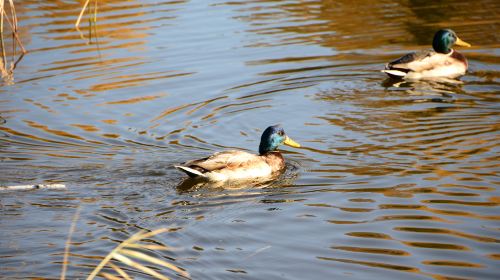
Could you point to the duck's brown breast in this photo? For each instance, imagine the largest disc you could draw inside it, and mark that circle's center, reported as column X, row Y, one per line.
column 460, row 57
column 275, row 160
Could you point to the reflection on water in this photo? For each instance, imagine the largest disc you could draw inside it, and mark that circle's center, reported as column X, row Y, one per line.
column 395, row 179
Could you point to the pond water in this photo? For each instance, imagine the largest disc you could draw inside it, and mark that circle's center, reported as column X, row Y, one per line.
column 393, row 180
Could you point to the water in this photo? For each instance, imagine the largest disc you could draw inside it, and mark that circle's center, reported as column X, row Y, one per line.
column 393, row 180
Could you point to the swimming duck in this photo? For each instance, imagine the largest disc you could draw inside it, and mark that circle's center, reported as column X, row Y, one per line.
column 442, row 62
column 242, row 166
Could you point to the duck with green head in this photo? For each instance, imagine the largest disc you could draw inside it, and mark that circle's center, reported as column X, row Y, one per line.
column 242, row 166
column 442, row 62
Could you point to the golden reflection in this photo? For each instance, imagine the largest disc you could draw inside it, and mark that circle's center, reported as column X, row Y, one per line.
column 374, row 264
column 85, row 127
column 127, row 81
column 355, row 209
column 39, row 105
column 382, row 251
column 448, row 232
column 435, row 211
column 468, row 203
column 375, row 235
column 21, row 134
column 170, row 111
column 412, row 217
column 63, row 156
column 494, row 257
column 111, row 23
column 88, row 62
column 111, row 135
column 135, row 100
column 343, row 24
column 440, row 246
column 451, row 263
column 345, row 222
column 361, row 200
column 110, row 121
column 53, row 131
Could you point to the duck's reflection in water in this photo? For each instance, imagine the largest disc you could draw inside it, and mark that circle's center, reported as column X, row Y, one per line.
column 437, row 89
column 278, row 180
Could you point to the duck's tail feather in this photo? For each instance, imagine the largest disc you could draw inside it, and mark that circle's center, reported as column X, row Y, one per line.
column 193, row 173
column 394, row 73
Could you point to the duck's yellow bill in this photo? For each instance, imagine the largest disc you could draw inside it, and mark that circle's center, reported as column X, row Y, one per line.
column 462, row 43
column 291, row 143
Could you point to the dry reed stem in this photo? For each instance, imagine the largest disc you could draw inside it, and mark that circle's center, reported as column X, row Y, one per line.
column 124, row 255
column 106, row 260
column 110, row 276
column 13, row 24
column 68, row 241
column 139, row 266
column 120, row 271
column 142, row 256
column 6, row 69
column 77, row 24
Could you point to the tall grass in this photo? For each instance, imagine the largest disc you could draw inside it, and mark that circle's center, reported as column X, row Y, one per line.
column 129, row 253
column 8, row 14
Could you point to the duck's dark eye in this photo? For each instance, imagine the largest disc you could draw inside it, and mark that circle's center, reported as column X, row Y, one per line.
column 281, row 133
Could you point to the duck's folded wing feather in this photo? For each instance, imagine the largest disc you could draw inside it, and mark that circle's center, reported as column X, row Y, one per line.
column 419, row 62
column 226, row 159
column 404, row 59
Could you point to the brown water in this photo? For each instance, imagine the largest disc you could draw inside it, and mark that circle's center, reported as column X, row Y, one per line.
column 393, row 181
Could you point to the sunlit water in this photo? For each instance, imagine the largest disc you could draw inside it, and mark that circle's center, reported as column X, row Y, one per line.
column 393, row 180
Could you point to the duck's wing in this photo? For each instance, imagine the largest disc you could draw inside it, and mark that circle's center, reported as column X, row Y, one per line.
column 414, row 62
column 221, row 160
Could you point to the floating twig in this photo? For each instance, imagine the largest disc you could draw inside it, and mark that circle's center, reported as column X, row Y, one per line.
column 32, row 187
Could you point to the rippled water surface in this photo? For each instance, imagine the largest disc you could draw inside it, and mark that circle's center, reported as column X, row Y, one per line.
column 394, row 179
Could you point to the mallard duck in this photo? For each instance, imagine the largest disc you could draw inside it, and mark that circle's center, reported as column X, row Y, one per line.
column 442, row 62
column 241, row 166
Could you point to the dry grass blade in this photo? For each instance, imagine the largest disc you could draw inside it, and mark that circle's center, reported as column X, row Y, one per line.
column 68, row 242
column 141, row 235
column 120, row 271
column 77, row 24
column 104, row 261
column 151, row 247
column 139, row 266
column 110, row 276
column 94, row 18
column 124, row 255
column 144, row 257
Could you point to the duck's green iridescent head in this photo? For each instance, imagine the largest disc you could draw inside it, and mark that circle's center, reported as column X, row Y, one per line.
column 272, row 137
column 444, row 39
